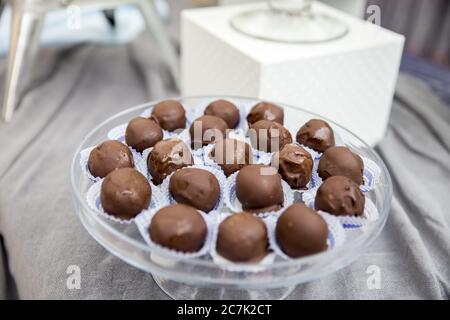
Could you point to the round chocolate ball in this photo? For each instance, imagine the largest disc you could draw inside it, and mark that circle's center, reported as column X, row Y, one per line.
column 316, row 134
column 269, row 136
column 258, row 188
column 142, row 133
column 301, row 231
column 341, row 161
column 340, row 196
column 125, row 193
column 166, row 157
column 265, row 111
column 232, row 155
column 295, row 165
column 178, row 227
column 242, row 237
column 170, row 115
column 225, row 110
column 108, row 156
column 206, row 130
column 195, row 187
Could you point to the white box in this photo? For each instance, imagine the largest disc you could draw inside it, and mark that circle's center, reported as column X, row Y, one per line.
column 354, row 7
column 350, row 80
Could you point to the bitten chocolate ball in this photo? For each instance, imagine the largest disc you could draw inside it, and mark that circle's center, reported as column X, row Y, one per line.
column 232, row 155
column 265, row 135
column 295, row 165
column 258, row 188
column 178, row 227
column 316, row 134
column 301, row 231
column 195, row 187
column 341, row 161
column 225, row 110
column 265, row 111
column 166, row 157
column 125, row 193
column 108, row 156
column 142, row 133
column 242, row 237
column 340, row 196
column 170, row 115
column 206, row 130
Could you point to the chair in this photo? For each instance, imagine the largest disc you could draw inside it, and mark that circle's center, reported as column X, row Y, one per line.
column 27, row 21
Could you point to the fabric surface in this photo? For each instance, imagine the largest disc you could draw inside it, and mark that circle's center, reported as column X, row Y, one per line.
column 77, row 88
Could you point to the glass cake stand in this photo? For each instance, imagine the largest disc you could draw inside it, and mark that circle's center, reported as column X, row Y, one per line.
column 201, row 278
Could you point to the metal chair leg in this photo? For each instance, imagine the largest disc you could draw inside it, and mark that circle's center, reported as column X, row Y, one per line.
column 2, row 5
column 159, row 32
column 25, row 33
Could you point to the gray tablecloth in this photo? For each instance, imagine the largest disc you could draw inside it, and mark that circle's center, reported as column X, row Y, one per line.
column 76, row 88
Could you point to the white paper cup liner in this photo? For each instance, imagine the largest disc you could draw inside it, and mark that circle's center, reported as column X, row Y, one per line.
column 371, row 174
column 143, row 223
column 233, row 203
column 93, row 201
column 336, row 234
column 238, row 266
column 217, row 173
column 139, row 163
column 348, row 222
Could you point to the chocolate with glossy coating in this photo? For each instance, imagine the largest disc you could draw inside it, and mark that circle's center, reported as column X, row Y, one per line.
column 259, row 189
column 166, row 157
column 341, row 161
column 265, row 135
column 242, row 237
column 170, row 115
column 178, row 227
column 295, row 165
column 301, row 231
column 225, row 110
column 142, row 133
column 265, row 111
column 195, row 187
column 125, row 193
column 232, row 155
column 108, row 156
column 340, row 196
column 316, row 134
column 212, row 129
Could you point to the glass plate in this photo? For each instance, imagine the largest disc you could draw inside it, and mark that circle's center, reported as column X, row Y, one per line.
column 201, row 277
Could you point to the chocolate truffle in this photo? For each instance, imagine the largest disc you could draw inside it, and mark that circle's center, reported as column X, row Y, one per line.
column 295, row 165
column 166, row 157
column 206, row 130
column 341, row 161
column 265, row 111
column 258, row 188
column 316, row 134
column 232, row 155
column 301, row 231
column 142, row 133
column 340, row 196
column 242, row 237
column 178, row 227
column 224, row 110
column 170, row 115
column 265, row 135
column 125, row 193
column 195, row 187
column 108, row 156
